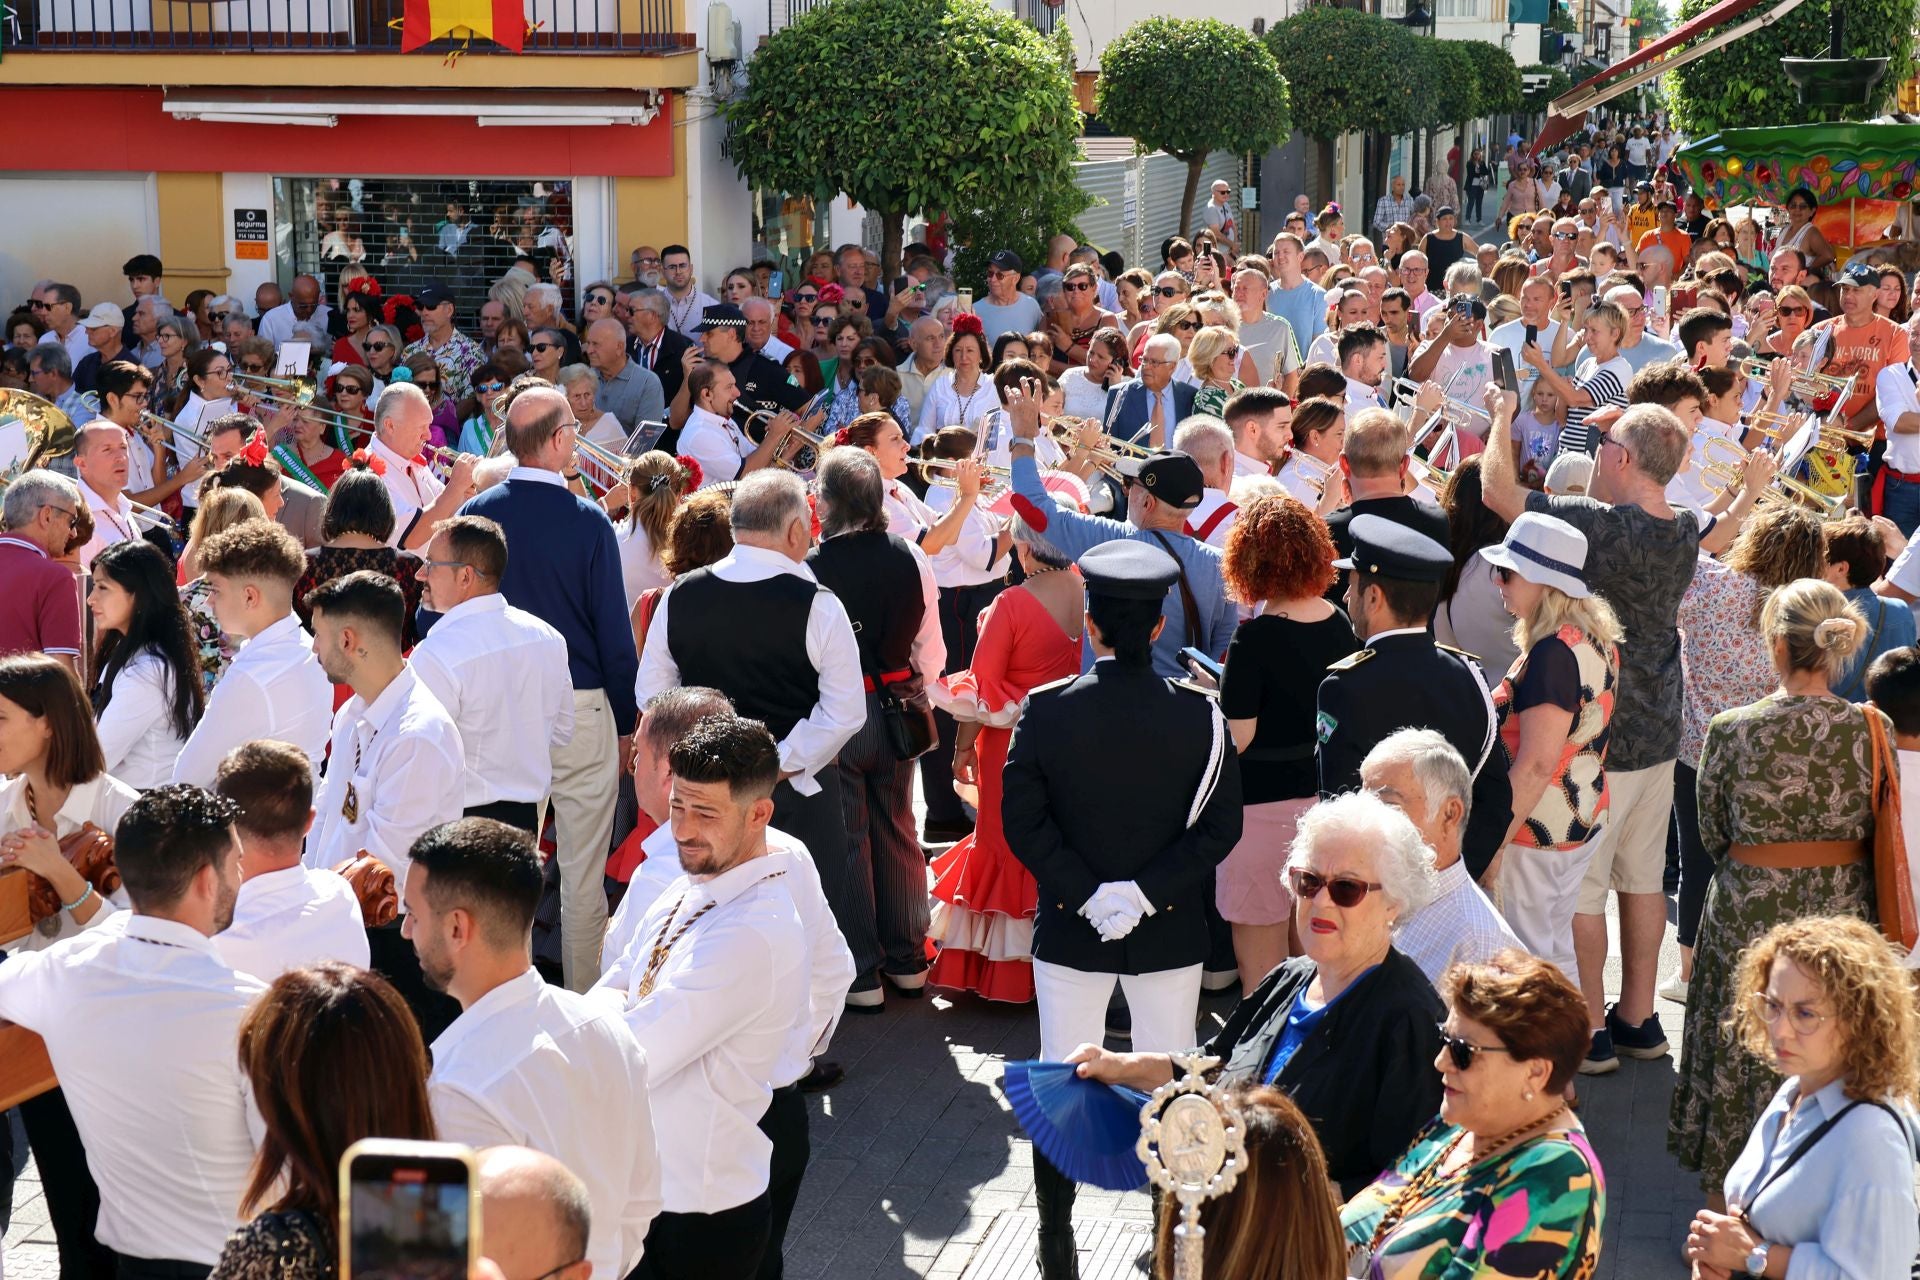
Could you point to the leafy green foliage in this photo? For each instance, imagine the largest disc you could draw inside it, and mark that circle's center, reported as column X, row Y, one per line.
column 1742, row 85
column 907, row 106
column 1496, row 76
column 1348, row 72
column 1653, row 20
column 1558, row 82
column 1145, row 75
column 1021, row 219
column 1453, row 92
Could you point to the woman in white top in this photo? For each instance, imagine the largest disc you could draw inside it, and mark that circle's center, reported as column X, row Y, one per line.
column 148, row 696
column 1800, row 235
column 577, row 381
column 964, row 395
column 657, row 482
column 1086, row 388
column 907, row 516
column 210, row 396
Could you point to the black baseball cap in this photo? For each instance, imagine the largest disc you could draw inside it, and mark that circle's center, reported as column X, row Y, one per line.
column 432, row 295
column 1173, row 478
column 1006, row 260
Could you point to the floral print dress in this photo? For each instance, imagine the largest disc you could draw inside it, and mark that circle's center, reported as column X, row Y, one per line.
column 1784, row 769
column 1534, row 1210
column 215, row 647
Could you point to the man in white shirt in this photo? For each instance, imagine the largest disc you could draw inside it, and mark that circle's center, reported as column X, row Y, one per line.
column 687, row 305
column 1261, row 420
column 713, row 989
column 500, row 672
column 395, row 765
column 1536, row 314
column 274, row 688
column 1419, row 773
column 1206, row 440
column 1005, row 309
column 666, row 719
column 303, row 317
column 712, row 438
column 762, row 323
column 1363, row 361
column 1896, row 394
column 141, row 1022
column 100, row 459
column 403, row 423
column 526, row 1063
column 928, row 339
column 287, row 915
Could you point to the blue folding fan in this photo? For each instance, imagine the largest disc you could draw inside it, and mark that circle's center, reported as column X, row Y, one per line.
column 1085, row 1129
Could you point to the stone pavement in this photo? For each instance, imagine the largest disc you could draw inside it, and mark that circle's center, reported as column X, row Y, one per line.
column 920, row 1170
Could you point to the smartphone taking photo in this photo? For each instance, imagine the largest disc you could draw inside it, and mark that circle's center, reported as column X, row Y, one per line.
column 408, row 1211
column 1503, row 371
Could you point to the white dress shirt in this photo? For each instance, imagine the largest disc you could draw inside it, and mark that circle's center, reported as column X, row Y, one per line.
column 274, row 688
column 716, row 1026
column 100, row 802
column 716, row 443
column 1211, row 500
column 1361, row 396
column 969, row 560
column 293, row 918
column 538, row 1066
column 831, row 648
column 136, row 728
column 113, row 522
column 412, row 486
column 280, row 326
column 502, row 675
column 1460, row 926
column 1691, row 487
column 1896, row 390
column 401, row 755
column 829, row 961
column 1243, row 465
column 141, row 1023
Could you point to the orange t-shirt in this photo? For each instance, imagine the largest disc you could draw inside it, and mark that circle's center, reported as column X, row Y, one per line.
column 1676, row 242
column 1862, row 351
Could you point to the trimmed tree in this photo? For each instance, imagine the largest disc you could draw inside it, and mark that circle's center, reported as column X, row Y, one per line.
column 1558, row 82
column 1742, row 85
column 1347, row 72
column 1496, row 76
column 1142, row 75
column 907, row 106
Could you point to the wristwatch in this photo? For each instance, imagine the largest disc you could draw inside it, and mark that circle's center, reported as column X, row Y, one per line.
column 1757, row 1260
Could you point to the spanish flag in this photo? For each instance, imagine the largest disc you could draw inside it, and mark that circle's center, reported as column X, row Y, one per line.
column 501, row 21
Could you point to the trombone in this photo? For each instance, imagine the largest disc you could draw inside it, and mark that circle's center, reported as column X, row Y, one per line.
column 175, row 429
column 296, row 391
column 1728, row 470
column 1806, row 384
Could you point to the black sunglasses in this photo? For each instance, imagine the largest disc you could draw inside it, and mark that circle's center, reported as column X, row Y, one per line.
column 1460, row 1052
column 1169, row 291
column 806, row 297
column 544, row 346
column 379, row 346
column 1187, row 326
column 1344, row 890
column 37, row 305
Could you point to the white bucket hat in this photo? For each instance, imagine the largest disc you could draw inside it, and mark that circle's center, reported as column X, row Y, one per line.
column 1544, row 550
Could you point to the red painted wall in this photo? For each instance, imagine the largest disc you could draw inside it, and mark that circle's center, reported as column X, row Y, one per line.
column 127, row 130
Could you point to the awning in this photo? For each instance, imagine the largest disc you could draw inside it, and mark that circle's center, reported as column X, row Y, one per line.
column 1557, row 130
column 325, row 107
column 1637, row 68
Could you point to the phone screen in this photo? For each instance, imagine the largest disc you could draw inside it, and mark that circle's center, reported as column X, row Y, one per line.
column 1503, row 370
column 776, row 284
column 410, row 1210
column 966, row 299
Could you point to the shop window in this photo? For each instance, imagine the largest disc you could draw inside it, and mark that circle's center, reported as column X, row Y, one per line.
column 787, row 230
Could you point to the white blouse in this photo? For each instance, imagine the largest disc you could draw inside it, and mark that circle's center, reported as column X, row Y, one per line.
column 1085, row 398
column 136, row 730
column 968, row 561
column 100, row 802
column 945, row 407
column 640, row 567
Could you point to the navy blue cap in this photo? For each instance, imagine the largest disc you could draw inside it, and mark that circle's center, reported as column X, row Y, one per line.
column 1383, row 548
column 722, row 315
column 432, row 295
column 1129, row 570
column 1859, row 275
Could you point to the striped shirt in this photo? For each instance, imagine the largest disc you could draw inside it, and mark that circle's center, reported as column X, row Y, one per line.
column 1460, row 926
column 1605, row 384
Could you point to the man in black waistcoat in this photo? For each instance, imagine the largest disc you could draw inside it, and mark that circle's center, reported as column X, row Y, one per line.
column 888, row 589
column 758, row 627
column 1403, row 680
column 1124, row 878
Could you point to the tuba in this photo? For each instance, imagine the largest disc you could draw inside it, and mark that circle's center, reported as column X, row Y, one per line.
column 49, row 430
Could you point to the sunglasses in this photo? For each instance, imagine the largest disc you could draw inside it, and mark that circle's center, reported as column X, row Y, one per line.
column 249, row 367
column 489, row 388
column 821, row 322
column 1345, row 891
column 1504, row 574
column 1078, row 287
column 428, row 385
column 1170, row 291
column 1793, row 311
column 1187, row 326
column 648, row 262
column 1461, row 1052
column 379, row 346
column 1565, row 235
column 544, row 346
column 37, row 305
column 605, row 300
column 806, row 297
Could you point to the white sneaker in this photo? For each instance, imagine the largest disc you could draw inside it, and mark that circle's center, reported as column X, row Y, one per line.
column 1674, row 989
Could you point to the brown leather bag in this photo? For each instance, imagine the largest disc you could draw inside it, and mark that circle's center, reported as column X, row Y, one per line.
column 1893, row 886
column 90, row 850
column 372, row 883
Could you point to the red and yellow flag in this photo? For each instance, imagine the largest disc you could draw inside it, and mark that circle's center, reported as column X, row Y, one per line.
column 501, row 21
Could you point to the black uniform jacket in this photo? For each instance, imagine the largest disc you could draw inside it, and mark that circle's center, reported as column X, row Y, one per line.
column 1406, row 681
column 1121, row 774
column 1365, row 1076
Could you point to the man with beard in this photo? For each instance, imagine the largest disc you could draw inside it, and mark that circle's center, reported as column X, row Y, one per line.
column 396, row 766
column 140, row 1021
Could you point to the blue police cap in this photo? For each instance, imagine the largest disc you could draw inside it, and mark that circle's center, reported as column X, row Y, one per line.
column 1383, row 548
column 1129, row 571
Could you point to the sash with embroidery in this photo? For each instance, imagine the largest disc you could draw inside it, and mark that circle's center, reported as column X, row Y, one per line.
column 294, row 465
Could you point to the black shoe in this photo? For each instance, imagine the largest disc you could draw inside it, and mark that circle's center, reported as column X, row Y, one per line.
column 1645, row 1041
column 824, row 1075
column 910, row 986
column 866, row 996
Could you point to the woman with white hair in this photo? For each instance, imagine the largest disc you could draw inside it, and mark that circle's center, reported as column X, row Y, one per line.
column 1350, row 1028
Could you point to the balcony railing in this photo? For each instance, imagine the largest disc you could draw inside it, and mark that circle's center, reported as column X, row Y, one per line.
column 1038, row 14
column 586, row 26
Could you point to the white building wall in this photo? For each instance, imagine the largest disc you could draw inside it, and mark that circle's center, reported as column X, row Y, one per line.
column 76, row 228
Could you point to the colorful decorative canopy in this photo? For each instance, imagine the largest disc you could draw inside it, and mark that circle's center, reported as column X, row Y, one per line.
column 1849, row 161
column 501, row 21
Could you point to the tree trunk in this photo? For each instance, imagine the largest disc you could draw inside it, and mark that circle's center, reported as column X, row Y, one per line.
column 892, row 226
column 1194, row 164
column 1323, row 191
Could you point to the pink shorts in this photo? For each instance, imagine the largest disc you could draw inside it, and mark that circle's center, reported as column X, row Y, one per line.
column 1248, row 887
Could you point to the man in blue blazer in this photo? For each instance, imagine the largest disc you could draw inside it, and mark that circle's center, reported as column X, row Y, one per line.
column 1146, row 409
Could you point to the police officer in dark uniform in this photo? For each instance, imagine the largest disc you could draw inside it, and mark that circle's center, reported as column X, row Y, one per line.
column 1124, row 878
column 1403, row 680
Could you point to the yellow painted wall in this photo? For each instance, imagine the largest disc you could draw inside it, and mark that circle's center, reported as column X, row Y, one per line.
column 651, row 210
column 344, row 70
column 192, row 213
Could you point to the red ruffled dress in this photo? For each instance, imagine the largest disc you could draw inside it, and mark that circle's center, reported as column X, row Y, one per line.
column 984, row 898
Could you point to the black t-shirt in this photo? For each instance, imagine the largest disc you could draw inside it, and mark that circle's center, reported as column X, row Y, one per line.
column 763, row 385
column 1551, row 678
column 1273, row 673
column 1421, row 517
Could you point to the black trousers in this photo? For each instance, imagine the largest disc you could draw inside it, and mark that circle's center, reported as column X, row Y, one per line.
column 707, row 1246
column 886, row 904
column 1696, row 864
column 73, row 1201
column 960, row 630
column 161, row 1269
column 785, row 1124
column 515, row 813
column 393, row 958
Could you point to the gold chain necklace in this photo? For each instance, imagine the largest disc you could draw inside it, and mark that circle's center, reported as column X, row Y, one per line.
column 663, row 945
column 1423, row 1183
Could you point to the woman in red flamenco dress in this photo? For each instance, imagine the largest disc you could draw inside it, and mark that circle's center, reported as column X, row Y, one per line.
column 983, row 898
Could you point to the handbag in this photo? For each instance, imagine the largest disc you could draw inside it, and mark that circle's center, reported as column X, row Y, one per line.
column 372, row 883
column 1893, row 886
column 90, row 850
column 908, row 716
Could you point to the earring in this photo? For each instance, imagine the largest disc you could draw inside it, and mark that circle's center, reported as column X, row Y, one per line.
column 1529, row 1095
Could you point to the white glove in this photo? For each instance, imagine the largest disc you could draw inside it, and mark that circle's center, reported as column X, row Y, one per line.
column 1115, row 908
column 1114, row 927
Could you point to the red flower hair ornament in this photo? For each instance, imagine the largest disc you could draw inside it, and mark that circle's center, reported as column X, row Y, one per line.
column 967, row 322
column 361, row 458
column 255, row 451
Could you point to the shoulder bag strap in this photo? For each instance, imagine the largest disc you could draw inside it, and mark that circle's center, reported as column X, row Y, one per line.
column 1793, row 1157
column 1190, row 605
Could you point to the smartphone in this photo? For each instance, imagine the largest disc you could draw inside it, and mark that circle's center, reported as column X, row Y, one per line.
column 776, row 284
column 1658, row 302
column 1202, row 661
column 966, row 299
column 1503, row 370
column 1462, row 306
column 408, row 1211
column 1533, row 335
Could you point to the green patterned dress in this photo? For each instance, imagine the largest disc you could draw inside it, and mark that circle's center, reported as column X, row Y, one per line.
column 1534, row 1211
column 1783, row 769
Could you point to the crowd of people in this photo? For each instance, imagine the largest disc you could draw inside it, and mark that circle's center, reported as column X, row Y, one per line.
column 538, row 736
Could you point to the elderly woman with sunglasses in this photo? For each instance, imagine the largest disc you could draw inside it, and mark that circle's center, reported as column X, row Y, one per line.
column 1503, row 1182
column 1824, row 1186
column 1349, row 1029
column 1215, row 356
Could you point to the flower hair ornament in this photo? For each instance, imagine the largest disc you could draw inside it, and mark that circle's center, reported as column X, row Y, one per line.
column 967, row 322
column 366, row 286
column 255, row 450
column 831, row 295
column 361, row 458
column 691, row 465
column 843, row 436
column 400, row 373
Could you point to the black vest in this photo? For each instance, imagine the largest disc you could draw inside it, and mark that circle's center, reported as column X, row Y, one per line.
column 749, row 641
column 878, row 580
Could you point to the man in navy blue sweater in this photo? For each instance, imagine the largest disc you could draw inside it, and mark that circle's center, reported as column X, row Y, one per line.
column 563, row 566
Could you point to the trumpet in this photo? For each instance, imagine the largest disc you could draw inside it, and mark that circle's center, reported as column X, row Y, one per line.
column 1312, row 470
column 1806, row 384
column 612, row 466
column 1458, row 413
column 1778, row 428
column 999, row 475
column 295, row 391
column 1728, row 469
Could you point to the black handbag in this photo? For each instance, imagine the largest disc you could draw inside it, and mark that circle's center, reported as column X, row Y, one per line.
column 909, row 717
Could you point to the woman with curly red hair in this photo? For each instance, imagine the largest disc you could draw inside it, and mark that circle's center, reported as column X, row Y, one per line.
column 1279, row 562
